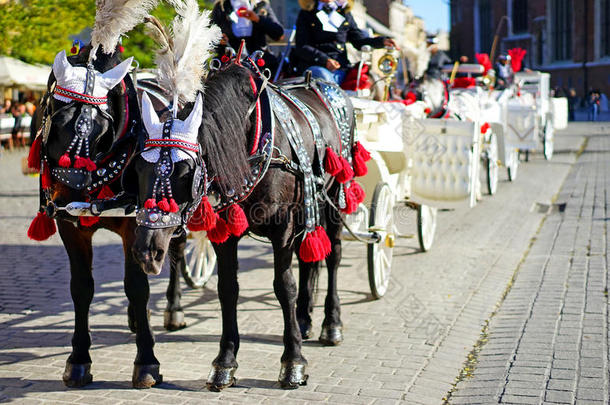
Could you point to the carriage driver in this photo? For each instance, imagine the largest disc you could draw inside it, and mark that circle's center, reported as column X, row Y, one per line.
column 322, row 31
column 251, row 20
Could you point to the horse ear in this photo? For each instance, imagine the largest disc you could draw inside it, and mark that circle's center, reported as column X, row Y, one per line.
column 149, row 116
column 114, row 76
column 61, row 66
column 194, row 119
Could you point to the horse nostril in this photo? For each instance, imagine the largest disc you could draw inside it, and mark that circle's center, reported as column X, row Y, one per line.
column 158, row 255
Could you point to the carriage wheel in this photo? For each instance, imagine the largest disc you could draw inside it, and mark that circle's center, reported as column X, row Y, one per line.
column 491, row 165
column 200, row 260
column 513, row 165
column 547, row 141
column 426, row 226
column 379, row 254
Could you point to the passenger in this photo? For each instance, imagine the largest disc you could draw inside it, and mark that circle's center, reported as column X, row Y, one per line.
column 438, row 59
column 251, row 20
column 323, row 29
column 504, row 72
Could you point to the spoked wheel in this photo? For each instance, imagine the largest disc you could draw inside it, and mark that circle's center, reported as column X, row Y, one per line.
column 200, row 260
column 547, row 141
column 381, row 221
column 426, row 226
column 513, row 165
column 491, row 165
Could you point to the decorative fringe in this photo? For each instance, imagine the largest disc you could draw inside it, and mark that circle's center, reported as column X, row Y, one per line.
column 150, row 204
column 346, row 173
column 45, row 177
column 34, row 155
column 360, row 168
column 312, row 248
column 64, row 160
column 332, row 163
column 173, row 206
column 88, row 221
column 83, row 163
column 42, row 227
column 236, row 220
column 204, row 217
column 163, row 205
column 220, row 233
column 105, row 193
column 324, row 240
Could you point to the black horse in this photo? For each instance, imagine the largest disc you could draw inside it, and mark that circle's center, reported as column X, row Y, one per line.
column 276, row 191
column 85, row 141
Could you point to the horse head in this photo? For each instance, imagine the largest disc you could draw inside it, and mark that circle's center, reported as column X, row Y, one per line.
column 170, row 164
column 85, row 112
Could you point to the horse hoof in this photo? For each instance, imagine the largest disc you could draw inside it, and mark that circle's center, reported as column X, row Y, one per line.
column 292, row 376
column 306, row 330
column 146, row 376
column 331, row 335
column 221, row 378
column 77, row 375
column 173, row 320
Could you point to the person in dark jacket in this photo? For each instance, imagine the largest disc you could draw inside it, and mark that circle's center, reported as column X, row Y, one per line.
column 323, row 29
column 438, row 59
column 251, row 20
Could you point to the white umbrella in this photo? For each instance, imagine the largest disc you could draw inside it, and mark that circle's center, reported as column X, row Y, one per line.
column 15, row 73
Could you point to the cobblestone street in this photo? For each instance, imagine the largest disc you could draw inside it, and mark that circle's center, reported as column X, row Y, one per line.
column 509, row 306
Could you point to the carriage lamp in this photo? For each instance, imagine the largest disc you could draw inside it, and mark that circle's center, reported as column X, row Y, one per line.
column 388, row 64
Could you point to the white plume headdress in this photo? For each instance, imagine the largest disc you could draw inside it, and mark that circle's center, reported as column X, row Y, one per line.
column 181, row 57
column 418, row 58
column 114, row 18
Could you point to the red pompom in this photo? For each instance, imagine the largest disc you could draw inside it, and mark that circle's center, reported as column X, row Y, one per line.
column 34, row 155
column 485, row 127
column 163, row 205
column 332, row 163
column 220, row 232
column 236, row 220
column 261, row 62
column 88, row 221
column 105, row 192
column 73, row 49
column 42, row 227
column 351, row 202
column 64, row 160
column 346, row 173
column 204, row 217
column 324, row 240
column 357, row 191
column 45, row 177
column 361, row 151
column 427, row 110
column 312, row 248
column 224, row 59
column 360, row 168
column 121, row 48
column 173, row 206
column 242, row 11
column 150, row 204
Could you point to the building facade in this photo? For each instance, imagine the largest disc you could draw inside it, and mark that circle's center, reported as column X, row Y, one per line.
column 568, row 38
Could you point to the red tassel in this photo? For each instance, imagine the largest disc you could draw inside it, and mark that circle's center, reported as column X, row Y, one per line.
column 236, row 220
column 150, row 204
column 361, row 151
column 105, row 192
column 485, row 127
column 64, row 160
column 173, row 206
column 332, row 163
column 163, row 205
column 88, row 221
column 324, row 240
column 34, row 155
column 90, row 165
column 358, row 192
column 351, row 203
column 312, row 249
column 220, row 233
column 204, row 217
column 45, row 177
column 346, row 173
column 79, row 162
column 360, row 168
column 41, row 228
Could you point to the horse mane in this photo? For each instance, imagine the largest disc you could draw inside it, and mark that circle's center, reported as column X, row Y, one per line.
column 224, row 131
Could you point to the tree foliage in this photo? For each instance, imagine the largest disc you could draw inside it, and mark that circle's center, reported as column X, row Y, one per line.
column 35, row 30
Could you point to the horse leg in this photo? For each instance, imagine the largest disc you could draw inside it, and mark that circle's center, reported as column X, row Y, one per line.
column 146, row 366
column 332, row 327
column 308, row 277
column 80, row 253
column 173, row 317
column 224, row 365
column 292, row 372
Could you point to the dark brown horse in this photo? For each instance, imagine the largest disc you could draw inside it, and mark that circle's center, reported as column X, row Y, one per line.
column 277, row 199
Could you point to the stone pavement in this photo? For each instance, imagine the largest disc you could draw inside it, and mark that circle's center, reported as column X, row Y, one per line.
column 548, row 340
column 405, row 348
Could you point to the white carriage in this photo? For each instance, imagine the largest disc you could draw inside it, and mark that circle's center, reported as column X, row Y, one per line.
column 533, row 115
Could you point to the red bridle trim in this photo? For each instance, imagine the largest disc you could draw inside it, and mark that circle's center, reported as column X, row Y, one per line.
column 257, row 133
column 73, row 95
column 158, row 143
